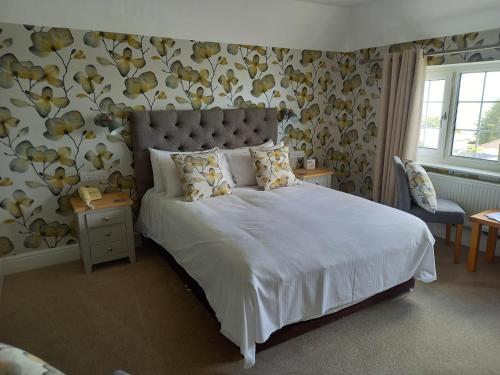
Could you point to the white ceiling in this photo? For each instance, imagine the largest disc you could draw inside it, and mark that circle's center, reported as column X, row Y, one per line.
column 334, row 25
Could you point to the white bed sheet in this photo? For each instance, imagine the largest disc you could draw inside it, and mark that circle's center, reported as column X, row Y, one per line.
column 266, row 259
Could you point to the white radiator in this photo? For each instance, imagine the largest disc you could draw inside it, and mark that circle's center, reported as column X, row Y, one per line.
column 474, row 196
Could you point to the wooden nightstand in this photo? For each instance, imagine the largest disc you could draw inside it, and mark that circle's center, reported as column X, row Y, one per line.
column 318, row 176
column 106, row 232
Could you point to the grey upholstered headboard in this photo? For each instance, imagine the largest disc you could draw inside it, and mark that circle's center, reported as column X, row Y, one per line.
column 191, row 130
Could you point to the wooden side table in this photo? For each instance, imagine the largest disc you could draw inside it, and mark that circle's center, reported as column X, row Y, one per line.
column 105, row 233
column 478, row 220
column 318, row 176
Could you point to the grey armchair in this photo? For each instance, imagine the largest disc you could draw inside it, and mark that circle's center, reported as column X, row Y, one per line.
column 448, row 212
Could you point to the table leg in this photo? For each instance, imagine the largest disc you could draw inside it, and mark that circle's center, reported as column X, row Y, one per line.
column 474, row 247
column 492, row 243
column 458, row 243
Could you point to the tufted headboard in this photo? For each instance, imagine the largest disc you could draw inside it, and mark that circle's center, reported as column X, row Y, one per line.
column 191, row 130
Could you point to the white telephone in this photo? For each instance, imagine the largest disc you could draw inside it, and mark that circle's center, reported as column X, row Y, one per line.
column 89, row 194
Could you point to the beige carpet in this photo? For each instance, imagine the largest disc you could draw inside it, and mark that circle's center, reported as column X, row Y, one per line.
column 140, row 318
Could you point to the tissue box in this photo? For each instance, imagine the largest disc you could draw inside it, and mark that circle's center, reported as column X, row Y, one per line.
column 310, row 164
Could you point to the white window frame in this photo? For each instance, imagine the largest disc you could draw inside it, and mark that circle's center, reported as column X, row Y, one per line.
column 443, row 154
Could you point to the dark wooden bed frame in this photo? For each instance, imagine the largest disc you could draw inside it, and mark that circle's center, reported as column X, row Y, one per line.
column 229, row 128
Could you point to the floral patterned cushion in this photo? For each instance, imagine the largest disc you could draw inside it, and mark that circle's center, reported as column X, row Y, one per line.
column 421, row 187
column 201, row 175
column 14, row 361
column 272, row 168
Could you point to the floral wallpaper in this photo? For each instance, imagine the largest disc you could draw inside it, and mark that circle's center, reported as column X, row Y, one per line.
column 65, row 96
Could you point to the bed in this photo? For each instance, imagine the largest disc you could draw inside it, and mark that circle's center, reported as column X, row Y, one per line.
column 269, row 259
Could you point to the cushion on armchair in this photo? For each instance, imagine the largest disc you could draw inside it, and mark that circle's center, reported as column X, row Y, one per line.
column 421, row 188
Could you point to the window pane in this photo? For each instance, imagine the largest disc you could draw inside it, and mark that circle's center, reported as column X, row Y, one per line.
column 488, row 145
column 464, row 143
column 431, row 138
column 471, row 87
column 492, row 88
column 489, row 133
column 467, row 116
column 436, row 90
column 426, row 91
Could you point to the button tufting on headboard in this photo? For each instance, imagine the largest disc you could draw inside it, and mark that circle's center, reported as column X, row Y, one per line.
column 191, row 130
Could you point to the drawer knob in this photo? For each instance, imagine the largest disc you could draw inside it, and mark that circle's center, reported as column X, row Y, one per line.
column 107, row 234
column 106, row 218
column 110, row 249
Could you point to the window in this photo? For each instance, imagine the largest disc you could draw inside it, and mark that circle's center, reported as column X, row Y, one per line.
column 460, row 123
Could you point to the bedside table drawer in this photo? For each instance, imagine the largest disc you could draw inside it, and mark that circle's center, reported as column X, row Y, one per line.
column 107, row 233
column 109, row 250
column 323, row 181
column 98, row 219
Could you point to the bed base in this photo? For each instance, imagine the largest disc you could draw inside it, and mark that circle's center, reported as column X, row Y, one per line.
column 293, row 330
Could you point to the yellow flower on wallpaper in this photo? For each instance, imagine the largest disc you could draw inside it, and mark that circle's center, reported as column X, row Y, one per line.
column 26, row 154
column 89, row 79
column 6, row 74
column 27, row 70
column 46, row 42
column 6, row 246
column 45, row 101
column 199, row 98
column 309, row 113
column 303, row 96
column 5, row 181
column 260, row 86
column 66, row 124
column 162, row 44
column 228, row 81
column 204, row 50
column 280, row 53
column 17, row 203
column 351, row 84
column 140, row 85
column 254, row 66
column 51, row 75
column 126, row 60
column 64, row 156
column 346, row 68
column 309, row 56
column 59, row 180
column 6, row 122
column 98, row 156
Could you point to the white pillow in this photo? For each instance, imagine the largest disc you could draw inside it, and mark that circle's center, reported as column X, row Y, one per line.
column 241, row 166
column 166, row 172
column 158, row 184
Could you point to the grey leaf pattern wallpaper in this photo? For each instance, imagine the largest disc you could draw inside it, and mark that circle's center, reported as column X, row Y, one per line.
column 65, row 96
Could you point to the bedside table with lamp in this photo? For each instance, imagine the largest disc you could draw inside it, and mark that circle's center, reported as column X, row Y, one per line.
column 105, row 229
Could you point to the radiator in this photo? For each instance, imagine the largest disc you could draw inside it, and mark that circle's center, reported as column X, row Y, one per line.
column 474, row 196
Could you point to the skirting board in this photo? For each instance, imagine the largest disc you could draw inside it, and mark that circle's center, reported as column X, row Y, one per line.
column 38, row 259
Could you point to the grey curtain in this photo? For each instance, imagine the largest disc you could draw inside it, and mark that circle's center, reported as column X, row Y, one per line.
column 403, row 78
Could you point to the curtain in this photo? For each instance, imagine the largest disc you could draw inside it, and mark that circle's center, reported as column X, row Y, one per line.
column 403, row 79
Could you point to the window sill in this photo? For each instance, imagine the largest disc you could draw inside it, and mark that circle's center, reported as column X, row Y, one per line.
column 472, row 173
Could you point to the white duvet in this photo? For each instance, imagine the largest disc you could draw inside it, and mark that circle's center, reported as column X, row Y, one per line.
column 266, row 259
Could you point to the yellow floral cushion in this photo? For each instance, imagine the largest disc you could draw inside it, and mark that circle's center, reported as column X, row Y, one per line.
column 201, row 175
column 272, row 168
column 421, row 188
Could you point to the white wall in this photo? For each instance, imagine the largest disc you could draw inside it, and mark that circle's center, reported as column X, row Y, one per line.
column 278, row 23
column 301, row 24
column 384, row 22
